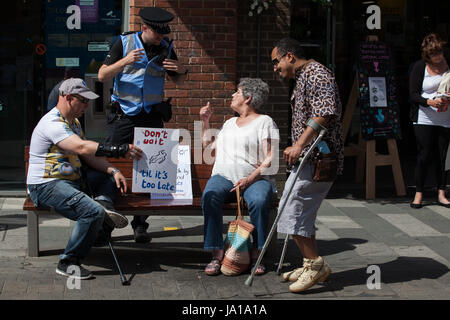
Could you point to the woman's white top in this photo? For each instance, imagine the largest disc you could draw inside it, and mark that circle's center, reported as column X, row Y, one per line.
column 430, row 115
column 240, row 150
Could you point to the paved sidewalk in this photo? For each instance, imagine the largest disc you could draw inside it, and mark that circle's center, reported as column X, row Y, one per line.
column 410, row 247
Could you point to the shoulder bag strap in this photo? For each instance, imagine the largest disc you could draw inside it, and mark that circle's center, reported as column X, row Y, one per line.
column 239, row 201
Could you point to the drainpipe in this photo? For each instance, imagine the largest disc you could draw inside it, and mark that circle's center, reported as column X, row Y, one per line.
column 329, row 38
column 258, row 47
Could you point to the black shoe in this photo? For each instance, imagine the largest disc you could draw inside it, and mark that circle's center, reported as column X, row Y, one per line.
column 140, row 233
column 112, row 217
column 72, row 268
column 446, row 205
column 415, row 205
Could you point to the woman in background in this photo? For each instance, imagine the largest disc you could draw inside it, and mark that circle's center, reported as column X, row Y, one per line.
column 430, row 117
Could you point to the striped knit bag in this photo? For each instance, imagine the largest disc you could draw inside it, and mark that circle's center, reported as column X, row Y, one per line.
column 237, row 244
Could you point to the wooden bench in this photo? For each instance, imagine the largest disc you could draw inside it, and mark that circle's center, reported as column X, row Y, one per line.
column 141, row 204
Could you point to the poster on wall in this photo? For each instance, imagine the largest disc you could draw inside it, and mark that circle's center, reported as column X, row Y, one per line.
column 377, row 89
column 379, row 109
column 156, row 171
column 89, row 10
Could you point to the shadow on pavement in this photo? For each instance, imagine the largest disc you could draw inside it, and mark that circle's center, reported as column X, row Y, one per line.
column 326, row 248
column 400, row 270
column 12, row 221
column 160, row 256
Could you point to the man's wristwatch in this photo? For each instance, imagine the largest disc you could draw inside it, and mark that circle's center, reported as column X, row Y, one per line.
column 114, row 171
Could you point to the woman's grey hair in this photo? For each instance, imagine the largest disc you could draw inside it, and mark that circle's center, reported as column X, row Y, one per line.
column 255, row 88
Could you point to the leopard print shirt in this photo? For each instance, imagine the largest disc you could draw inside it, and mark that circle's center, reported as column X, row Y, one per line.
column 316, row 94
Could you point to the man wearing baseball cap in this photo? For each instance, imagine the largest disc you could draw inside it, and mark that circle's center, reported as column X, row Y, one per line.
column 138, row 64
column 57, row 150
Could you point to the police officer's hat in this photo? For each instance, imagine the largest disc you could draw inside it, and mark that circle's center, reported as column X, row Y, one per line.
column 157, row 19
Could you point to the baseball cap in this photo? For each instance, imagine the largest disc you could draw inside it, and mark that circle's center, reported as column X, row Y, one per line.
column 76, row 86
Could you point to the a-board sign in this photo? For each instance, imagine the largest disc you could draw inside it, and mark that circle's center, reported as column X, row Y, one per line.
column 184, row 177
column 156, row 171
column 379, row 110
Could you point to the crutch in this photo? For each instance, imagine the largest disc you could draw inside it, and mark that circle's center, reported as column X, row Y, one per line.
column 249, row 280
column 283, row 253
column 124, row 280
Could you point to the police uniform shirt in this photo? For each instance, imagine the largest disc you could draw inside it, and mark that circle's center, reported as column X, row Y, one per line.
column 116, row 53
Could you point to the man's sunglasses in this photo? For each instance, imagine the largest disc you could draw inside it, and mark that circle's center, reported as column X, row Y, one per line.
column 82, row 99
column 276, row 60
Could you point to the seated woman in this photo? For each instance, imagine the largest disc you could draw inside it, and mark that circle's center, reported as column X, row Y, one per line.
column 244, row 152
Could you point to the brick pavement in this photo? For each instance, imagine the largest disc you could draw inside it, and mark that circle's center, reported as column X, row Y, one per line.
column 410, row 247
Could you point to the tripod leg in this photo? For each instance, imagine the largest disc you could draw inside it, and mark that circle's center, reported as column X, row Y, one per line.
column 283, row 253
column 124, row 281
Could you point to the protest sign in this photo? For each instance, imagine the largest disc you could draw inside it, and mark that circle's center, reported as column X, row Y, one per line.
column 184, row 178
column 156, row 171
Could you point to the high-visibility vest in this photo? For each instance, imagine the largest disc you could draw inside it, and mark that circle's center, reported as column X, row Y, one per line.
column 140, row 84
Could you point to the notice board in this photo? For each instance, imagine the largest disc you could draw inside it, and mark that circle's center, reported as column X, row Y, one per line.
column 379, row 110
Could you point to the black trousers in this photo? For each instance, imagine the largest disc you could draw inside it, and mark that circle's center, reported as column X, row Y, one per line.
column 432, row 145
column 121, row 126
column 121, row 130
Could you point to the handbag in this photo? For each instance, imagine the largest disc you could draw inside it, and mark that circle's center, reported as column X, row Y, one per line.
column 444, row 84
column 237, row 243
column 325, row 167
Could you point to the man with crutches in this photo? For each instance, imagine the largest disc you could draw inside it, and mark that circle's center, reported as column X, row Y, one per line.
column 315, row 105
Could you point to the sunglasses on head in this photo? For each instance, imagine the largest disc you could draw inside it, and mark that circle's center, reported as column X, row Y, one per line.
column 277, row 60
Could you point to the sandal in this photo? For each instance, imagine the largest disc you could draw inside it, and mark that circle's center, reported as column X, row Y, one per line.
column 260, row 270
column 213, row 268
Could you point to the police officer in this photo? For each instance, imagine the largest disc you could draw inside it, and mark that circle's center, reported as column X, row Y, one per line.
column 138, row 63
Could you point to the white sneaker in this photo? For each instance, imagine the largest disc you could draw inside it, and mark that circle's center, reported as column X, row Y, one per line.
column 313, row 272
column 292, row 275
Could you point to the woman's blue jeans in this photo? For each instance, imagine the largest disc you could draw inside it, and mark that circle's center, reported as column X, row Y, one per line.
column 258, row 197
column 67, row 199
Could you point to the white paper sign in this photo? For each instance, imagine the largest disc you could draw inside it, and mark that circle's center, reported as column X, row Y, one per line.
column 184, row 178
column 156, row 171
column 377, row 89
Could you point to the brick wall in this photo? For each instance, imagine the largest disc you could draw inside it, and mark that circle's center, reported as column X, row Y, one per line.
column 218, row 41
column 274, row 25
column 205, row 40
